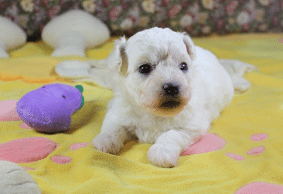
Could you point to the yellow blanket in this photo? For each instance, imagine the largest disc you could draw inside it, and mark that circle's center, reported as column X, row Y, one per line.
column 252, row 127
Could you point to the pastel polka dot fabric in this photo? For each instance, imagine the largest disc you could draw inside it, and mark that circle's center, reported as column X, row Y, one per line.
column 242, row 153
column 260, row 187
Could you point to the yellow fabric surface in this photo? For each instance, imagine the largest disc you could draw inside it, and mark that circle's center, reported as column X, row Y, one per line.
column 257, row 111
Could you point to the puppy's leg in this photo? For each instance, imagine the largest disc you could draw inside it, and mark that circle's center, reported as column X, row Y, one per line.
column 236, row 69
column 112, row 136
column 166, row 151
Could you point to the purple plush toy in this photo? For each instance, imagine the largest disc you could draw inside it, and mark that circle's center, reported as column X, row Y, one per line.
column 49, row 108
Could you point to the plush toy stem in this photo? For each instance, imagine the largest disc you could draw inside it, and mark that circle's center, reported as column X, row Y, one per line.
column 79, row 87
column 70, row 43
column 3, row 53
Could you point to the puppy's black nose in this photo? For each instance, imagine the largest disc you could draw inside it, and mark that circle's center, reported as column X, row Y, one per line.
column 171, row 90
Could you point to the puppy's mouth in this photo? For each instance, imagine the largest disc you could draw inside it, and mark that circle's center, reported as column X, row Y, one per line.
column 169, row 107
column 170, row 104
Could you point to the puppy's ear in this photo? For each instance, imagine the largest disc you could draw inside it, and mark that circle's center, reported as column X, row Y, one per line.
column 190, row 46
column 117, row 60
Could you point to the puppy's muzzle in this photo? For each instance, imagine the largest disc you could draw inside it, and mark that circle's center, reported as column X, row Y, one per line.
column 170, row 98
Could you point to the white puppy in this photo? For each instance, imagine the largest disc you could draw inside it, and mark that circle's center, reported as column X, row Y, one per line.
column 167, row 91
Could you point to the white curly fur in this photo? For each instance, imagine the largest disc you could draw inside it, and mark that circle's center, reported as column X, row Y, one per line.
column 136, row 109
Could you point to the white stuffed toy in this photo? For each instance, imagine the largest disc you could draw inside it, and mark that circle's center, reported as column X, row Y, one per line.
column 11, row 36
column 73, row 32
column 15, row 180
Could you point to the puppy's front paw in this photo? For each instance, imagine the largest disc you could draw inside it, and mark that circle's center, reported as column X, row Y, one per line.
column 163, row 156
column 107, row 143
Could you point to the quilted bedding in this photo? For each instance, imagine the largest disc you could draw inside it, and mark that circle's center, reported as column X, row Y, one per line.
column 242, row 153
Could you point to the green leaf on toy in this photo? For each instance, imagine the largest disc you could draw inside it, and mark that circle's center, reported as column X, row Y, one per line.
column 79, row 87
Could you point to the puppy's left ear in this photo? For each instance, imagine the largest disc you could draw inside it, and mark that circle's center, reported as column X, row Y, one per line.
column 117, row 60
column 190, row 46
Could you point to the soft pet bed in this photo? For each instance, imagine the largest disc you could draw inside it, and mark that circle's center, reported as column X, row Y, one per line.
column 242, row 153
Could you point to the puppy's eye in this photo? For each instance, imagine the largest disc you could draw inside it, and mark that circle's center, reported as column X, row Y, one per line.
column 145, row 69
column 184, row 67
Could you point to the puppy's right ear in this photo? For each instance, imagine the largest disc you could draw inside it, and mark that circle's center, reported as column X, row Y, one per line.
column 117, row 60
column 190, row 46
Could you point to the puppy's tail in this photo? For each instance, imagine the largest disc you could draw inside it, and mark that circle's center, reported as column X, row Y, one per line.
column 88, row 71
column 236, row 70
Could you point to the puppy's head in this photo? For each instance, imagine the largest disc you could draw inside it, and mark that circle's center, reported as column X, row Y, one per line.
column 156, row 66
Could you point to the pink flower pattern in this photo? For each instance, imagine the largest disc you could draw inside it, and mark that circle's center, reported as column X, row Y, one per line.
column 174, row 11
column 114, row 13
column 231, row 7
column 53, row 11
column 168, row 13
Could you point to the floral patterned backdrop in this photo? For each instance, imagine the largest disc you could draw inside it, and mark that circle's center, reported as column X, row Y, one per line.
column 197, row 17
